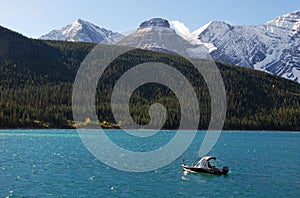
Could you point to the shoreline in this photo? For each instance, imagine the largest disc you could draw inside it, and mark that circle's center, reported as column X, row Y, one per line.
column 111, row 129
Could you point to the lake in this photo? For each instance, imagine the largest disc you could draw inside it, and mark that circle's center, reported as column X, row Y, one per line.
column 55, row 163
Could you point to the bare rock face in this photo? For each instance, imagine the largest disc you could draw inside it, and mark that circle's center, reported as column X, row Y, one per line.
column 155, row 22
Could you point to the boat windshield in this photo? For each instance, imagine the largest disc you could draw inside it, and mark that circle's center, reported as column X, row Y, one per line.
column 198, row 164
column 203, row 163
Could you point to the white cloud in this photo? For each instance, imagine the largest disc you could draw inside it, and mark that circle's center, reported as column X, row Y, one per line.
column 181, row 29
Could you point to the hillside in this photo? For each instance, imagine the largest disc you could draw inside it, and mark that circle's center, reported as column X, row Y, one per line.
column 36, row 79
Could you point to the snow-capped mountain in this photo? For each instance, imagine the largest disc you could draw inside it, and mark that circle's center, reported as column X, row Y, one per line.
column 156, row 34
column 273, row 46
column 84, row 31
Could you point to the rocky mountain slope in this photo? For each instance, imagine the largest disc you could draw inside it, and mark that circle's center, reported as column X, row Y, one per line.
column 157, row 35
column 273, row 46
column 81, row 30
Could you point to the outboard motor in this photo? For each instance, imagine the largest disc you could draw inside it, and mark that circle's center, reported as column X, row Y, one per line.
column 225, row 169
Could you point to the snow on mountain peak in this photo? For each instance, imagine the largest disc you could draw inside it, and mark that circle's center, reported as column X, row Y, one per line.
column 218, row 27
column 290, row 21
column 78, row 23
column 272, row 47
column 157, row 35
column 84, row 31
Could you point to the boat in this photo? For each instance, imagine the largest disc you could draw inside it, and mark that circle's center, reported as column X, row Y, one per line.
column 206, row 164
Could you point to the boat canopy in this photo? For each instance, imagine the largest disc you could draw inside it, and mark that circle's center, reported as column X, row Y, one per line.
column 207, row 158
column 203, row 162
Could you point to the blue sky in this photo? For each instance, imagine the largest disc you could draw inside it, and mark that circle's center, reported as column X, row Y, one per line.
column 36, row 17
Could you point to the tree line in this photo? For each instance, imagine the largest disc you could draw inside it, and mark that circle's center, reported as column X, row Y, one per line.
column 36, row 81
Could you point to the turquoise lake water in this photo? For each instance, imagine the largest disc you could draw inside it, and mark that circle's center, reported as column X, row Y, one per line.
column 55, row 163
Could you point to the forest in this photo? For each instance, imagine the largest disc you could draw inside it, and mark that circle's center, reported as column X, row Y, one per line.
column 36, row 82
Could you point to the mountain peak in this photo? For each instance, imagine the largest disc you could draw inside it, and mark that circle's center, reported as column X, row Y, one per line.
column 272, row 47
column 84, row 31
column 289, row 21
column 79, row 21
column 155, row 22
column 294, row 14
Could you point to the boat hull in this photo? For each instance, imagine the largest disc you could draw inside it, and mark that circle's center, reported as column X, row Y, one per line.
column 215, row 171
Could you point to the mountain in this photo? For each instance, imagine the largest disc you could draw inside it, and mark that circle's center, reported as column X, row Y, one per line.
column 84, row 31
column 156, row 34
column 37, row 76
column 273, row 46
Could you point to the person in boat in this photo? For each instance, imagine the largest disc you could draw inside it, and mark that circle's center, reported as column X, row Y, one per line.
column 209, row 165
column 204, row 163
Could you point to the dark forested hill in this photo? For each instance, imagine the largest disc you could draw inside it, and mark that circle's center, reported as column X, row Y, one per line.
column 26, row 61
column 36, row 79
